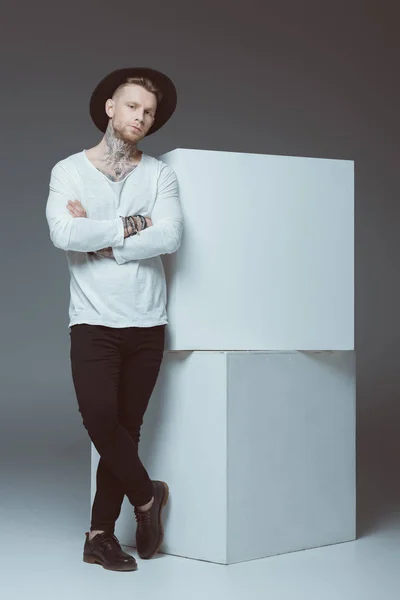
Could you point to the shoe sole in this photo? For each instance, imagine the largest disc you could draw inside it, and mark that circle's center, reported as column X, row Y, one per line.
column 163, row 503
column 89, row 558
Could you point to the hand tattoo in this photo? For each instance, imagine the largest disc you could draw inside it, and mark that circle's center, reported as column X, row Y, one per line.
column 131, row 223
column 106, row 252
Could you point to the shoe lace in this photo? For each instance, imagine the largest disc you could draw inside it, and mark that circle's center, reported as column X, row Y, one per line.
column 143, row 517
column 108, row 540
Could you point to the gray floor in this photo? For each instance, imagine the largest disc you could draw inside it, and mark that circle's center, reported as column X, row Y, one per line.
column 45, row 512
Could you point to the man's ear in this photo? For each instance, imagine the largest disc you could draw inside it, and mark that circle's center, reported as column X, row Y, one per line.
column 109, row 107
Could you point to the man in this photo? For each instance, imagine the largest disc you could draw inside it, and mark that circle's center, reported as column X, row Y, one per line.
column 115, row 210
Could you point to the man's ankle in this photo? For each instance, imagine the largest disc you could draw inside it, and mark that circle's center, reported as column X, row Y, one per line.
column 147, row 506
column 94, row 532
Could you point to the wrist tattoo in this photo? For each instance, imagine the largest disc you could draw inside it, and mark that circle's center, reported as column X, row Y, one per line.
column 133, row 224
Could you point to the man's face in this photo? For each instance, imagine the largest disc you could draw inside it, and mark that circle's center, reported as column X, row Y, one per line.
column 133, row 107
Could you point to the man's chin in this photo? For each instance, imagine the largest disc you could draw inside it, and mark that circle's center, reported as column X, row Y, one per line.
column 131, row 137
column 125, row 135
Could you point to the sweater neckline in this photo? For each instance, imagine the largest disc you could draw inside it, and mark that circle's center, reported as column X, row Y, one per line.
column 104, row 176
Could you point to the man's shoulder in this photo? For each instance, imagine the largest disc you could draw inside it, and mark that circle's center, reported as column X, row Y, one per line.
column 156, row 162
column 153, row 161
column 69, row 162
column 161, row 168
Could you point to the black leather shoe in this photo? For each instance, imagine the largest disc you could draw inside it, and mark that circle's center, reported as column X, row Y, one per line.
column 104, row 549
column 150, row 530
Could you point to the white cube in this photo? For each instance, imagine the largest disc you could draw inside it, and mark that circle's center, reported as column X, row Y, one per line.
column 267, row 255
column 258, row 449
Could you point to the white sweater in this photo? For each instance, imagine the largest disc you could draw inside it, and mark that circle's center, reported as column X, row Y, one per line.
column 129, row 291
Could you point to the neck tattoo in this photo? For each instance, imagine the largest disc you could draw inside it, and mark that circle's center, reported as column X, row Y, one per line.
column 120, row 154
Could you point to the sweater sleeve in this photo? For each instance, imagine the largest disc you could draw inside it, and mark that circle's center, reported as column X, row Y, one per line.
column 164, row 236
column 77, row 233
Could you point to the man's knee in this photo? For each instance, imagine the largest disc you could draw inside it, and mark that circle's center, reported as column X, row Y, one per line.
column 102, row 429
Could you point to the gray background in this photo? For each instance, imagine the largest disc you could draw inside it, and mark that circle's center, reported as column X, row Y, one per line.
column 316, row 79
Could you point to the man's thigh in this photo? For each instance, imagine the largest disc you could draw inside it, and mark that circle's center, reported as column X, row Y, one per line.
column 96, row 360
column 139, row 373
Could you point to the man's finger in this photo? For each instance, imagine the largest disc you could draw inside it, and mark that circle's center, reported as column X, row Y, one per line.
column 76, row 211
column 73, row 212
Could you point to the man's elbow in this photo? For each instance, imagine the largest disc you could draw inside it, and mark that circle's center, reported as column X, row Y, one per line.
column 59, row 241
column 173, row 247
column 175, row 238
column 59, row 234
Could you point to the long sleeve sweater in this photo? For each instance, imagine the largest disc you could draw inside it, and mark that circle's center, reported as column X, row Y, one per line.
column 128, row 290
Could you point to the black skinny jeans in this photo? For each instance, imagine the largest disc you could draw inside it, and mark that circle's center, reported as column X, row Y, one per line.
column 114, row 372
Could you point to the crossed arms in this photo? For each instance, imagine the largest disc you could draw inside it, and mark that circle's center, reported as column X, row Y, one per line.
column 89, row 235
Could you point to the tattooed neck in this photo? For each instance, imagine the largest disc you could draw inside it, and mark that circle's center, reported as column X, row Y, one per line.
column 119, row 154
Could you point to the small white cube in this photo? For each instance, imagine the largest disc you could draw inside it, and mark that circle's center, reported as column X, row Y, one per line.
column 258, row 450
column 267, row 254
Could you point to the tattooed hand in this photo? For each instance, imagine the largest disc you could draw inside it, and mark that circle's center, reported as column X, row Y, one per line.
column 76, row 210
column 106, row 252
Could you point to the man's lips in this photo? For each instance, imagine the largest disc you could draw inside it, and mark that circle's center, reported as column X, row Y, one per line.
column 134, row 127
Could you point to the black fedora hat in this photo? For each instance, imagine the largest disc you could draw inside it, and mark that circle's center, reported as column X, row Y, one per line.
column 107, row 86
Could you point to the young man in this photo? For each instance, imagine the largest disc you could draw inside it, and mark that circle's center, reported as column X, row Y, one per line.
column 115, row 210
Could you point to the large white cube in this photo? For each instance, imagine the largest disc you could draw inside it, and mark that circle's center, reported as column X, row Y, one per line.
column 267, row 255
column 258, row 449
column 257, row 446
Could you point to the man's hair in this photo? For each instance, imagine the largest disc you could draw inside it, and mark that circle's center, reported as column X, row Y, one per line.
column 145, row 82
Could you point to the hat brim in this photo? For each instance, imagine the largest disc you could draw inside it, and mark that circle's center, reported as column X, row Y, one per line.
column 107, row 86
